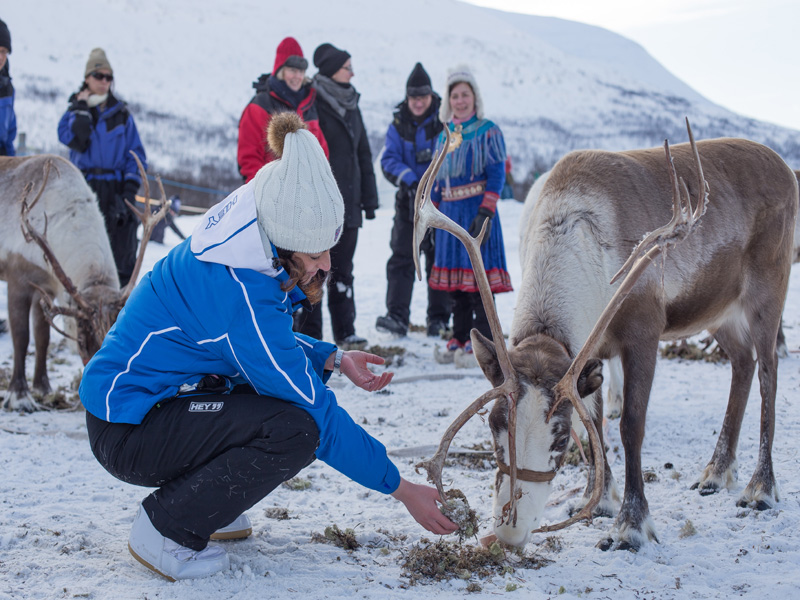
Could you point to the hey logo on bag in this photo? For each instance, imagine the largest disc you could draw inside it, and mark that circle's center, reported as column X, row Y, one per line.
column 206, row 406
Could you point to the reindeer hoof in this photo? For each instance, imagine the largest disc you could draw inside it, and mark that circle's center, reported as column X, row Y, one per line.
column 626, row 545
column 707, row 488
column 610, row 544
column 605, row 544
column 757, row 505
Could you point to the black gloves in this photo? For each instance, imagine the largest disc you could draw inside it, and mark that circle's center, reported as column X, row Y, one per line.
column 125, row 214
column 129, row 191
column 369, row 214
column 427, row 243
column 411, row 194
column 406, row 195
column 484, row 214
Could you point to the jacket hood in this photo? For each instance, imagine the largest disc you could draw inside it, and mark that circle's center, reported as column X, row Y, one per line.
column 228, row 234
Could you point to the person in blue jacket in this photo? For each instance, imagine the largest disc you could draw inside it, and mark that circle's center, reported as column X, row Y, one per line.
column 100, row 132
column 8, row 119
column 201, row 388
column 408, row 150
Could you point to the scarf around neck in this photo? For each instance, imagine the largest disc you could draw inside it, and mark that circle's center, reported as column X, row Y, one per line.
column 96, row 100
column 342, row 97
column 280, row 87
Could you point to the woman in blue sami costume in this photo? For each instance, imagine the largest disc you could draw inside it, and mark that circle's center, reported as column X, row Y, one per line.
column 467, row 188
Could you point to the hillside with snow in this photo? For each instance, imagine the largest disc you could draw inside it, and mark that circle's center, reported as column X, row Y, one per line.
column 186, row 68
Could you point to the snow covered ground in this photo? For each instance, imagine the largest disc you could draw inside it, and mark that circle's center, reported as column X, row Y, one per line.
column 64, row 521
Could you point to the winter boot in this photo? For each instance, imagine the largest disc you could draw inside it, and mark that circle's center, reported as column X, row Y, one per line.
column 239, row 529
column 437, row 328
column 352, row 342
column 168, row 558
column 391, row 324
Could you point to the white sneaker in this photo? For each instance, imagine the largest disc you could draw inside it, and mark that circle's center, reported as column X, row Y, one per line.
column 239, row 529
column 169, row 558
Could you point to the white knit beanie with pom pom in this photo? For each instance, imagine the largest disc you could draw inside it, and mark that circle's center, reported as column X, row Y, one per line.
column 298, row 203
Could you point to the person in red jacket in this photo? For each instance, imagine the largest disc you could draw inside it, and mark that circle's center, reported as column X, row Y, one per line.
column 286, row 89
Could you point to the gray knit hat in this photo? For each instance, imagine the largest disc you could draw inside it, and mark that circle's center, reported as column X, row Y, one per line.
column 97, row 60
column 298, row 203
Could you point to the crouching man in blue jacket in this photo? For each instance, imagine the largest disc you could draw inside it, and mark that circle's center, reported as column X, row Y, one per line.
column 201, row 388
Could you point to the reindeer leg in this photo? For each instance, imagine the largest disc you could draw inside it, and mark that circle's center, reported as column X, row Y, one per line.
column 609, row 502
column 633, row 526
column 721, row 471
column 762, row 492
column 20, row 297
column 41, row 339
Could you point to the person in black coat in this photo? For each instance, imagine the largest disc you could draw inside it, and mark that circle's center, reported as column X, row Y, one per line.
column 351, row 163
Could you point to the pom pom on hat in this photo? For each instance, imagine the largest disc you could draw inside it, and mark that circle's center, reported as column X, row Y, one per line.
column 460, row 74
column 298, row 202
column 97, row 60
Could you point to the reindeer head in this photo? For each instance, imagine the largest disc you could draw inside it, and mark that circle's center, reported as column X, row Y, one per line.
column 87, row 327
column 539, row 362
column 539, row 382
column 94, row 308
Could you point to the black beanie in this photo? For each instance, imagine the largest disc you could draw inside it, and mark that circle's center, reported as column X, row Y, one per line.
column 419, row 83
column 329, row 59
column 5, row 36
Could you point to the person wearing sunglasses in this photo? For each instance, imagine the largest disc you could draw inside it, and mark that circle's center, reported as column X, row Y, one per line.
column 351, row 163
column 100, row 132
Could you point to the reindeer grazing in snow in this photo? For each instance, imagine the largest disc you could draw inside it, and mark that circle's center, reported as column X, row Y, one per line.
column 613, row 400
column 728, row 275
column 71, row 259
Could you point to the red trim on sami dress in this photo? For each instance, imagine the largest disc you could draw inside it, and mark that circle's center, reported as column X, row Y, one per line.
column 463, row 280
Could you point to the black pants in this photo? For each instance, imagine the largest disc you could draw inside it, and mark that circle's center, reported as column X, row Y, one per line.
column 468, row 312
column 400, row 271
column 121, row 225
column 212, row 457
column 341, row 299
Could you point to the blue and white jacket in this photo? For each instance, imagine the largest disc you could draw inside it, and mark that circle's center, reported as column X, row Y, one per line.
column 214, row 305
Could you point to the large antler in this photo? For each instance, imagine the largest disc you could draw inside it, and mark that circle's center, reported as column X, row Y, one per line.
column 149, row 221
column 655, row 243
column 427, row 215
column 32, row 235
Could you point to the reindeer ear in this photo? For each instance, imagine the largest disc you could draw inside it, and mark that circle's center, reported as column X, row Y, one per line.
column 591, row 377
column 486, row 354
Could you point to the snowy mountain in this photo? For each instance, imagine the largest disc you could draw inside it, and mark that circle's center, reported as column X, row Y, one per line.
column 186, row 69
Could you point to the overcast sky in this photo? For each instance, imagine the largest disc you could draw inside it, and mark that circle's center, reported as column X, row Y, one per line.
column 741, row 54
